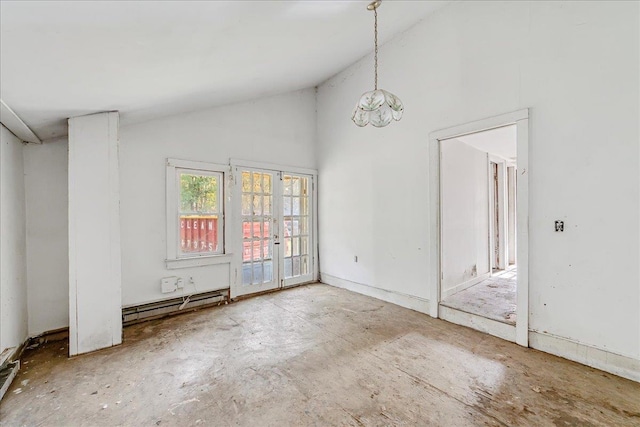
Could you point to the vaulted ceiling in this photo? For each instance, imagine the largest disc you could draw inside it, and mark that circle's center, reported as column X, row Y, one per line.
column 150, row 59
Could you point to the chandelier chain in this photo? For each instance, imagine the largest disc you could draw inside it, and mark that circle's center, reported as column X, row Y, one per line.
column 375, row 32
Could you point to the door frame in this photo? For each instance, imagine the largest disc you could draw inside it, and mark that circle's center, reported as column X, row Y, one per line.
column 519, row 118
column 236, row 220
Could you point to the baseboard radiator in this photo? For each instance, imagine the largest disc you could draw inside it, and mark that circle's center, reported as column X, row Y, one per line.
column 155, row 310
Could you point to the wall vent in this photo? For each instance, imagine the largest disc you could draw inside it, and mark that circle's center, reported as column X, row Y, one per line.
column 154, row 310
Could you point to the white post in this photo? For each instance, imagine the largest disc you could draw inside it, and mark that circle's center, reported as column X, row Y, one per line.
column 95, row 301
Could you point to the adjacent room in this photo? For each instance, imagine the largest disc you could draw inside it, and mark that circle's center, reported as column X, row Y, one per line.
column 319, row 213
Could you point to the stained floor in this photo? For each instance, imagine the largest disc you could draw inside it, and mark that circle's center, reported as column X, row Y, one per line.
column 493, row 298
column 312, row 356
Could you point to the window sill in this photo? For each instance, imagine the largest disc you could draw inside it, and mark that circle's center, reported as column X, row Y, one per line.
column 173, row 264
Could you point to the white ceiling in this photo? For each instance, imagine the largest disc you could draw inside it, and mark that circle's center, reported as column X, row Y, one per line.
column 150, row 59
column 500, row 142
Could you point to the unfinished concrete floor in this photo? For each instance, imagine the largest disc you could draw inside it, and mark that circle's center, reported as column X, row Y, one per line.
column 493, row 298
column 318, row 356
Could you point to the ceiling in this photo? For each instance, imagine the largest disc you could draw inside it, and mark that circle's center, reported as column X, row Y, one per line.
column 500, row 142
column 149, row 59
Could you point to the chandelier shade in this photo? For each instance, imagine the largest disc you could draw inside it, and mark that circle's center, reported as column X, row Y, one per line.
column 378, row 107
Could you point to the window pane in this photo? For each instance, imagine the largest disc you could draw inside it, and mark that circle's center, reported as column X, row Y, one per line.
column 304, row 265
column 246, row 204
column 296, row 227
column 267, row 183
column 256, row 229
column 304, row 206
column 296, row 186
column 296, row 266
column 246, row 274
column 246, row 182
column 287, row 247
column 286, row 182
column 304, row 225
column 266, row 229
column 287, row 205
column 268, row 271
column 267, row 249
column 267, row 205
column 246, row 230
column 304, row 246
column 287, row 268
column 257, row 273
column 198, row 233
column 246, row 252
column 296, row 206
column 287, row 228
column 198, row 193
column 257, row 205
column 296, row 246
column 256, row 250
column 305, row 187
column 257, row 182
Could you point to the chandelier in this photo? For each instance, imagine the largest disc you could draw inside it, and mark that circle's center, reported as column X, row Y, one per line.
column 378, row 106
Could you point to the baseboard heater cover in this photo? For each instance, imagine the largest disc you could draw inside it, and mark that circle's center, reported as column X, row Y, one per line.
column 135, row 314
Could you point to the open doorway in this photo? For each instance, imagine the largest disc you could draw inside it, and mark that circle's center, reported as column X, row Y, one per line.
column 480, row 235
column 478, row 201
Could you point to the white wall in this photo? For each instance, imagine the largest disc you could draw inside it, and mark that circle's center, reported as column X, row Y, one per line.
column 279, row 129
column 13, row 273
column 45, row 168
column 465, row 214
column 576, row 66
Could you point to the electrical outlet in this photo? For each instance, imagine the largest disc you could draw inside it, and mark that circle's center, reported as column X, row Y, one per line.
column 180, row 283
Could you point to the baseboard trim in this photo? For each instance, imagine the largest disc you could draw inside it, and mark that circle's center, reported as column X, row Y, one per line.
column 616, row 364
column 403, row 300
column 479, row 323
column 464, row 285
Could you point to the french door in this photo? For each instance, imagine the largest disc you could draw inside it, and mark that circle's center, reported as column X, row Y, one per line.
column 276, row 229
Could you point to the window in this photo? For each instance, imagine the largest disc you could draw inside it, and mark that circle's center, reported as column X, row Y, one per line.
column 195, row 213
column 199, row 218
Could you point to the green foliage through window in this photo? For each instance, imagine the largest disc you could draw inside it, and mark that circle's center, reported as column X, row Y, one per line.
column 198, row 193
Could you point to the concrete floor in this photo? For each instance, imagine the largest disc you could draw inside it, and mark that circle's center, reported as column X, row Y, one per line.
column 493, row 298
column 312, row 356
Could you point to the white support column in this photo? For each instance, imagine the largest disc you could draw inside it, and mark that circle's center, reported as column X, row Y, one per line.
column 95, row 302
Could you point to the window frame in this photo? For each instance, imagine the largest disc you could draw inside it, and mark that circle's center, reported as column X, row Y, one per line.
column 175, row 257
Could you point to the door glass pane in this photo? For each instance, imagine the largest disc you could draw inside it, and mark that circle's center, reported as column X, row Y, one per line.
column 267, row 183
column 296, row 186
column 246, row 182
column 286, row 185
column 246, row 204
column 287, row 247
column 296, row 266
column 296, row 206
column 267, row 205
column 257, row 211
column 287, row 206
column 287, row 268
column 296, row 210
column 257, row 182
column 268, row 271
column 296, row 246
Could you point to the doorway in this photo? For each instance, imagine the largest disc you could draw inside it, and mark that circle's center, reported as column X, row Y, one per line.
column 276, row 235
column 480, row 187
